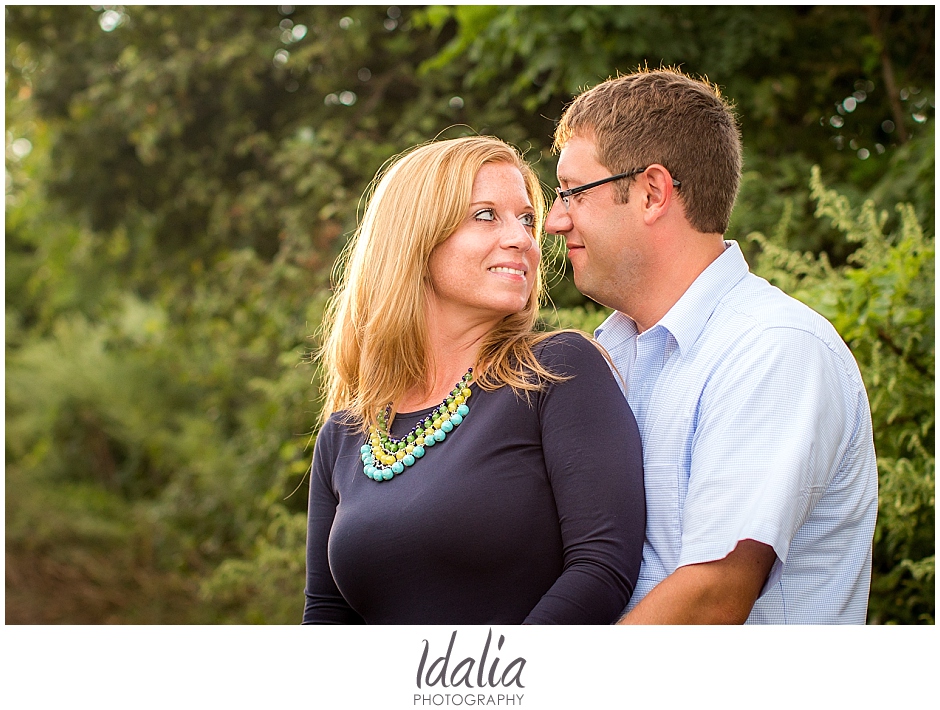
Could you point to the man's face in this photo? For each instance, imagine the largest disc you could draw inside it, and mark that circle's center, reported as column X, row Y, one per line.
column 604, row 243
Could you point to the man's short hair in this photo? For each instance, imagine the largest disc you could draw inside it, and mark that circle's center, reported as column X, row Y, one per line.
column 664, row 117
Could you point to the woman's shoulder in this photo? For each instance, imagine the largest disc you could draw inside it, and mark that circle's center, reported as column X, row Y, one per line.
column 586, row 376
column 569, row 350
column 337, row 426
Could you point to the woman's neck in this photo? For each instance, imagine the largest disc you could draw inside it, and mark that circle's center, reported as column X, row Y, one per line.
column 453, row 348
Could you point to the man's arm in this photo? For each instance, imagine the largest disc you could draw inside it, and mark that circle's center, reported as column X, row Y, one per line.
column 719, row 592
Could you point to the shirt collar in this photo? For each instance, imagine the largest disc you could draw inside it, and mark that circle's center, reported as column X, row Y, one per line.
column 615, row 332
column 686, row 319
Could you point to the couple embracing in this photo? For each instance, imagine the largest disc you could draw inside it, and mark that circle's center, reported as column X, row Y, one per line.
column 707, row 459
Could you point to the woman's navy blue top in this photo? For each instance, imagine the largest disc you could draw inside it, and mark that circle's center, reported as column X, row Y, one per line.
column 528, row 512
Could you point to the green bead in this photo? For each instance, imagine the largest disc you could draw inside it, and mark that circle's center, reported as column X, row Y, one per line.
column 385, row 456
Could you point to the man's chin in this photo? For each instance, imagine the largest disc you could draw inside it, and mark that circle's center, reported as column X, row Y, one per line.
column 584, row 286
column 586, row 289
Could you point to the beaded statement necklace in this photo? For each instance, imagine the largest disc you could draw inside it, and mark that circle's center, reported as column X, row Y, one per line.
column 385, row 456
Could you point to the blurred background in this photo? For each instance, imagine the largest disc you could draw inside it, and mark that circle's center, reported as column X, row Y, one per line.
column 180, row 180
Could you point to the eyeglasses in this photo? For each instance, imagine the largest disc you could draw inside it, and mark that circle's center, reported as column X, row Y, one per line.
column 565, row 194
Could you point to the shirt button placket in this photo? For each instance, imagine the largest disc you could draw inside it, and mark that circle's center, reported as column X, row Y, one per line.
column 650, row 352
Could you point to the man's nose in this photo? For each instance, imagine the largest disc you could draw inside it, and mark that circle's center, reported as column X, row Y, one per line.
column 558, row 220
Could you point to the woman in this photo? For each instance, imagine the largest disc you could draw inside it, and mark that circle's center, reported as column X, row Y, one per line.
column 512, row 496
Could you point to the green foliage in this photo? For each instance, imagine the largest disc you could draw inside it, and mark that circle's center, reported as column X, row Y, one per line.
column 583, row 318
column 882, row 303
column 180, row 180
column 79, row 554
column 266, row 587
column 784, row 67
column 228, row 127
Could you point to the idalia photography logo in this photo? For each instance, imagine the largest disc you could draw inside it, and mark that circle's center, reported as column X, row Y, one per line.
column 482, row 674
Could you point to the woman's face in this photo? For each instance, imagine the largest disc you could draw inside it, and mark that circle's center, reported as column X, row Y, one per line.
column 486, row 269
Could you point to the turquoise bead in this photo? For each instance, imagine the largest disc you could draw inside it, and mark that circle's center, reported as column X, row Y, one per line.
column 448, row 415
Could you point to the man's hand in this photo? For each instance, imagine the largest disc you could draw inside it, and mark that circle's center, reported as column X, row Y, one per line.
column 719, row 592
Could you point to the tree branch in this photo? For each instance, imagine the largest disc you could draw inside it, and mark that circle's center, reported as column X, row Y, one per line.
column 887, row 71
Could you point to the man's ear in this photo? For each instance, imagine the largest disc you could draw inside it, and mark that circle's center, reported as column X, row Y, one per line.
column 657, row 193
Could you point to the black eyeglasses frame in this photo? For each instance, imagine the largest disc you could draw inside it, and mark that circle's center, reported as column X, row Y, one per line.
column 565, row 194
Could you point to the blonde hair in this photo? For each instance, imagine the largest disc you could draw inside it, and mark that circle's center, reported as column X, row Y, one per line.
column 375, row 347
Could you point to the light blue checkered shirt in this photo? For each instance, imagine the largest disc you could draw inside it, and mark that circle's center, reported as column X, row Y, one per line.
column 755, row 425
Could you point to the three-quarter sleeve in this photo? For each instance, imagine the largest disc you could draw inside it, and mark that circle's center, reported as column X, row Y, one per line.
column 594, row 461
column 324, row 602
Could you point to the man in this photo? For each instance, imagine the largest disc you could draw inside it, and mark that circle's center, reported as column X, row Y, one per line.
column 761, row 482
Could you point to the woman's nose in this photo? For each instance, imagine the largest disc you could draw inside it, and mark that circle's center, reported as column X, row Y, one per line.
column 518, row 236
